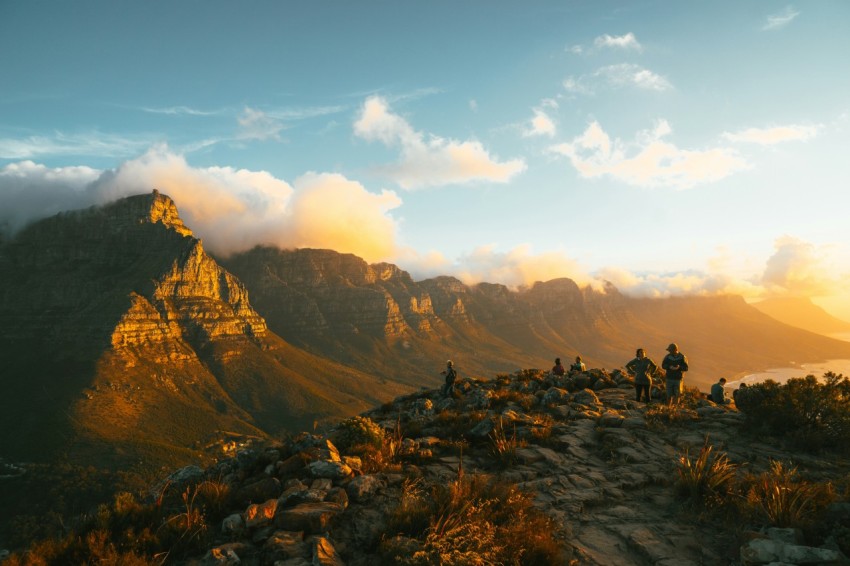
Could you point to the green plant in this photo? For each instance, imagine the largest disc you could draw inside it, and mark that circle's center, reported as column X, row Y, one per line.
column 782, row 500
column 812, row 415
column 358, row 431
column 708, row 478
column 503, row 448
column 472, row 520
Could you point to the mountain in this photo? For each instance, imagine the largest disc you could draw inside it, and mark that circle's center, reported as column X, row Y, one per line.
column 376, row 318
column 802, row 313
column 123, row 340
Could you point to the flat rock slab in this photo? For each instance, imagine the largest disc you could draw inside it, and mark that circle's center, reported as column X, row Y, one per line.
column 311, row 518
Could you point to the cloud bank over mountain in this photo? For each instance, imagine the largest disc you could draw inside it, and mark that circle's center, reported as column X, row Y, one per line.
column 236, row 209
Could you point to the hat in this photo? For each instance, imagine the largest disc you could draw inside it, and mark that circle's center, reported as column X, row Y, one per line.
column 672, row 347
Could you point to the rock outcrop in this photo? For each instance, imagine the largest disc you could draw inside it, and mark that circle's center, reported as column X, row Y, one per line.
column 601, row 466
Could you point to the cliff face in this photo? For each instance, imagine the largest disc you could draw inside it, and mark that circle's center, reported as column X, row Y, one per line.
column 129, row 274
column 377, row 318
column 118, row 332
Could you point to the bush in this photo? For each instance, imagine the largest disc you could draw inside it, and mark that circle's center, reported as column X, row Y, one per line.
column 358, row 431
column 706, row 479
column 472, row 520
column 811, row 415
column 779, row 498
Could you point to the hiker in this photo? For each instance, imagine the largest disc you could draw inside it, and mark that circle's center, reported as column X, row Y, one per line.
column 675, row 364
column 718, row 392
column 559, row 368
column 578, row 365
column 740, row 392
column 451, row 375
column 642, row 369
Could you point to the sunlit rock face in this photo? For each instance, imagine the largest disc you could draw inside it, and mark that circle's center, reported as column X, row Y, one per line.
column 324, row 293
column 132, row 274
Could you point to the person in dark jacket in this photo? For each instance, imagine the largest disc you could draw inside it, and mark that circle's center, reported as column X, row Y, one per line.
column 558, row 368
column 451, row 376
column 675, row 364
column 642, row 369
column 718, row 392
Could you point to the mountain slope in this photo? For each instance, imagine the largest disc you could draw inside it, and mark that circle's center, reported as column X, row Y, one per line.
column 376, row 318
column 122, row 338
column 802, row 313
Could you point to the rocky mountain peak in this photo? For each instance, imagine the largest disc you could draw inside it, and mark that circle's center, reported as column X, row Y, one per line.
column 152, row 208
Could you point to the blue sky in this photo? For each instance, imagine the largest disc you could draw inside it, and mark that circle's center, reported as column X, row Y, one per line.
column 667, row 147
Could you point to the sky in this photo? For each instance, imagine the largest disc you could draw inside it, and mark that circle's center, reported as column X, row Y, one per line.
column 666, row 147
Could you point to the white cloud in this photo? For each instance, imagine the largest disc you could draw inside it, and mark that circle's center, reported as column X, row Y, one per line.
column 231, row 209
column 517, row 267
column 801, row 268
column 473, row 105
column 623, row 75
column 691, row 282
column 428, row 160
column 627, row 41
column 59, row 143
column 257, row 125
column 781, row 19
column 576, row 49
column 30, row 190
column 774, row 135
column 648, row 161
column 181, row 110
column 540, row 125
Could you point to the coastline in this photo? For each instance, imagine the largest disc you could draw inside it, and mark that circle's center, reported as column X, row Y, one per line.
column 783, row 374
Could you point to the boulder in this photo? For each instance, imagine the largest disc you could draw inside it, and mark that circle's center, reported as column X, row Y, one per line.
column 260, row 514
column 258, row 491
column 362, row 488
column 324, row 553
column 585, row 397
column 311, row 518
column 283, row 545
column 335, row 470
column 556, row 396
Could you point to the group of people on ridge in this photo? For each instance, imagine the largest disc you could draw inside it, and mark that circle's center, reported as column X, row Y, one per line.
column 642, row 368
column 559, row 368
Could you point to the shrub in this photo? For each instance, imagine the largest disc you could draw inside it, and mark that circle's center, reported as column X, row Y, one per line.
column 782, row 500
column 708, row 478
column 503, row 447
column 472, row 520
column 811, row 415
column 358, row 431
column 680, row 410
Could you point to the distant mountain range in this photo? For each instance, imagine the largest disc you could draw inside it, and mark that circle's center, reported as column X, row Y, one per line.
column 802, row 313
column 123, row 340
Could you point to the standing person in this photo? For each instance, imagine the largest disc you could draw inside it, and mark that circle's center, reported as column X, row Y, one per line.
column 451, row 376
column 675, row 364
column 558, row 368
column 718, row 392
column 578, row 365
column 642, row 369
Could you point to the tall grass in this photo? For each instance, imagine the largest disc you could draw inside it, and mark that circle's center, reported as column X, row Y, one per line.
column 782, row 500
column 474, row 519
column 708, row 478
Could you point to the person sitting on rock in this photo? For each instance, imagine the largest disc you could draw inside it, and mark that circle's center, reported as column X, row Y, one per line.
column 559, row 368
column 451, row 376
column 578, row 365
column 718, row 392
column 742, row 390
column 642, row 369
